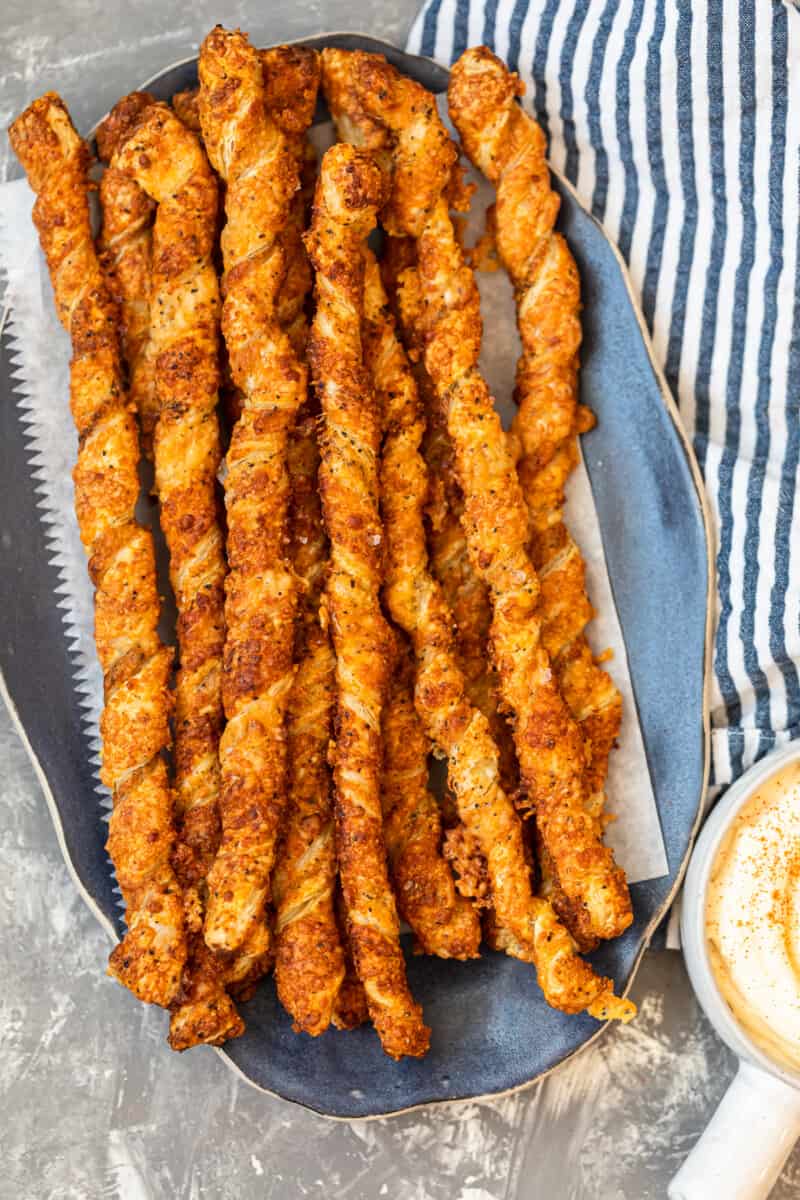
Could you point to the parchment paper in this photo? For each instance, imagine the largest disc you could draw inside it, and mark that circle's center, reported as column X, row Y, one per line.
column 41, row 354
column 41, row 383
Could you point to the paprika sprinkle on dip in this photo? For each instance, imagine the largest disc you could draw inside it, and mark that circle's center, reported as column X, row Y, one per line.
column 753, row 917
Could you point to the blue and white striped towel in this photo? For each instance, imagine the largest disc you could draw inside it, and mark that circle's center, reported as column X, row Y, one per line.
column 678, row 121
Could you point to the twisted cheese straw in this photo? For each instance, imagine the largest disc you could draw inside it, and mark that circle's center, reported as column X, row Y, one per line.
column 136, row 666
column 509, row 147
column 125, row 244
column 468, row 598
column 186, row 106
column 291, row 83
column 548, row 741
column 350, row 1007
column 306, row 965
column 458, row 728
column 443, row 922
column 348, row 192
column 466, row 594
column 309, row 963
column 251, row 154
column 204, row 1013
column 166, row 160
column 157, row 153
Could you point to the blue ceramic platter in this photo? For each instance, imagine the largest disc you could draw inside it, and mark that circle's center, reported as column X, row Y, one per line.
column 492, row 1032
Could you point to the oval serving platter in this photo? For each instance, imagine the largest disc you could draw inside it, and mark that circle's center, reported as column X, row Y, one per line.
column 492, row 1031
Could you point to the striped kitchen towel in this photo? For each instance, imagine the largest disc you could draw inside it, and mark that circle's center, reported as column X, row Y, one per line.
column 678, row 121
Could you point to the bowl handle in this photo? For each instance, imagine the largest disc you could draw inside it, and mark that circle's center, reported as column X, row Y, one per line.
column 743, row 1148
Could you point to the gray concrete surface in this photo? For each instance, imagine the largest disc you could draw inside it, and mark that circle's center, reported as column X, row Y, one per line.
column 92, row 1103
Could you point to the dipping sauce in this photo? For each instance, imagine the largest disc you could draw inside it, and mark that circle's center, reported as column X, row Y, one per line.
column 753, row 917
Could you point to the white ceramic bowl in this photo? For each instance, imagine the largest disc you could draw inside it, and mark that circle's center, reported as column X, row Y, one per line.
column 741, row 1153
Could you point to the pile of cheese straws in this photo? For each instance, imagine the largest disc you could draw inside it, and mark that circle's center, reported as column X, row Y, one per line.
column 390, row 574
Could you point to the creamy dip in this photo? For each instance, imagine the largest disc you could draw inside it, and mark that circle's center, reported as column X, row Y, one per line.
column 753, row 917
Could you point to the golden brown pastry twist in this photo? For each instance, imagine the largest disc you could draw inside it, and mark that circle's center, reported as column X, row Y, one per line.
column 186, row 106
column 348, row 193
column 203, row 1012
column 443, row 922
column 549, row 743
column 162, row 157
column 350, row 1007
column 251, row 155
column 466, row 594
column 166, row 160
column 492, row 831
column 125, row 254
column 309, row 963
column 291, row 83
column 353, row 125
column 309, row 960
column 509, row 147
column 136, row 665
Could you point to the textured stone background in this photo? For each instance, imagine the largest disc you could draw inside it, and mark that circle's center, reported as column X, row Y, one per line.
column 93, row 1103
